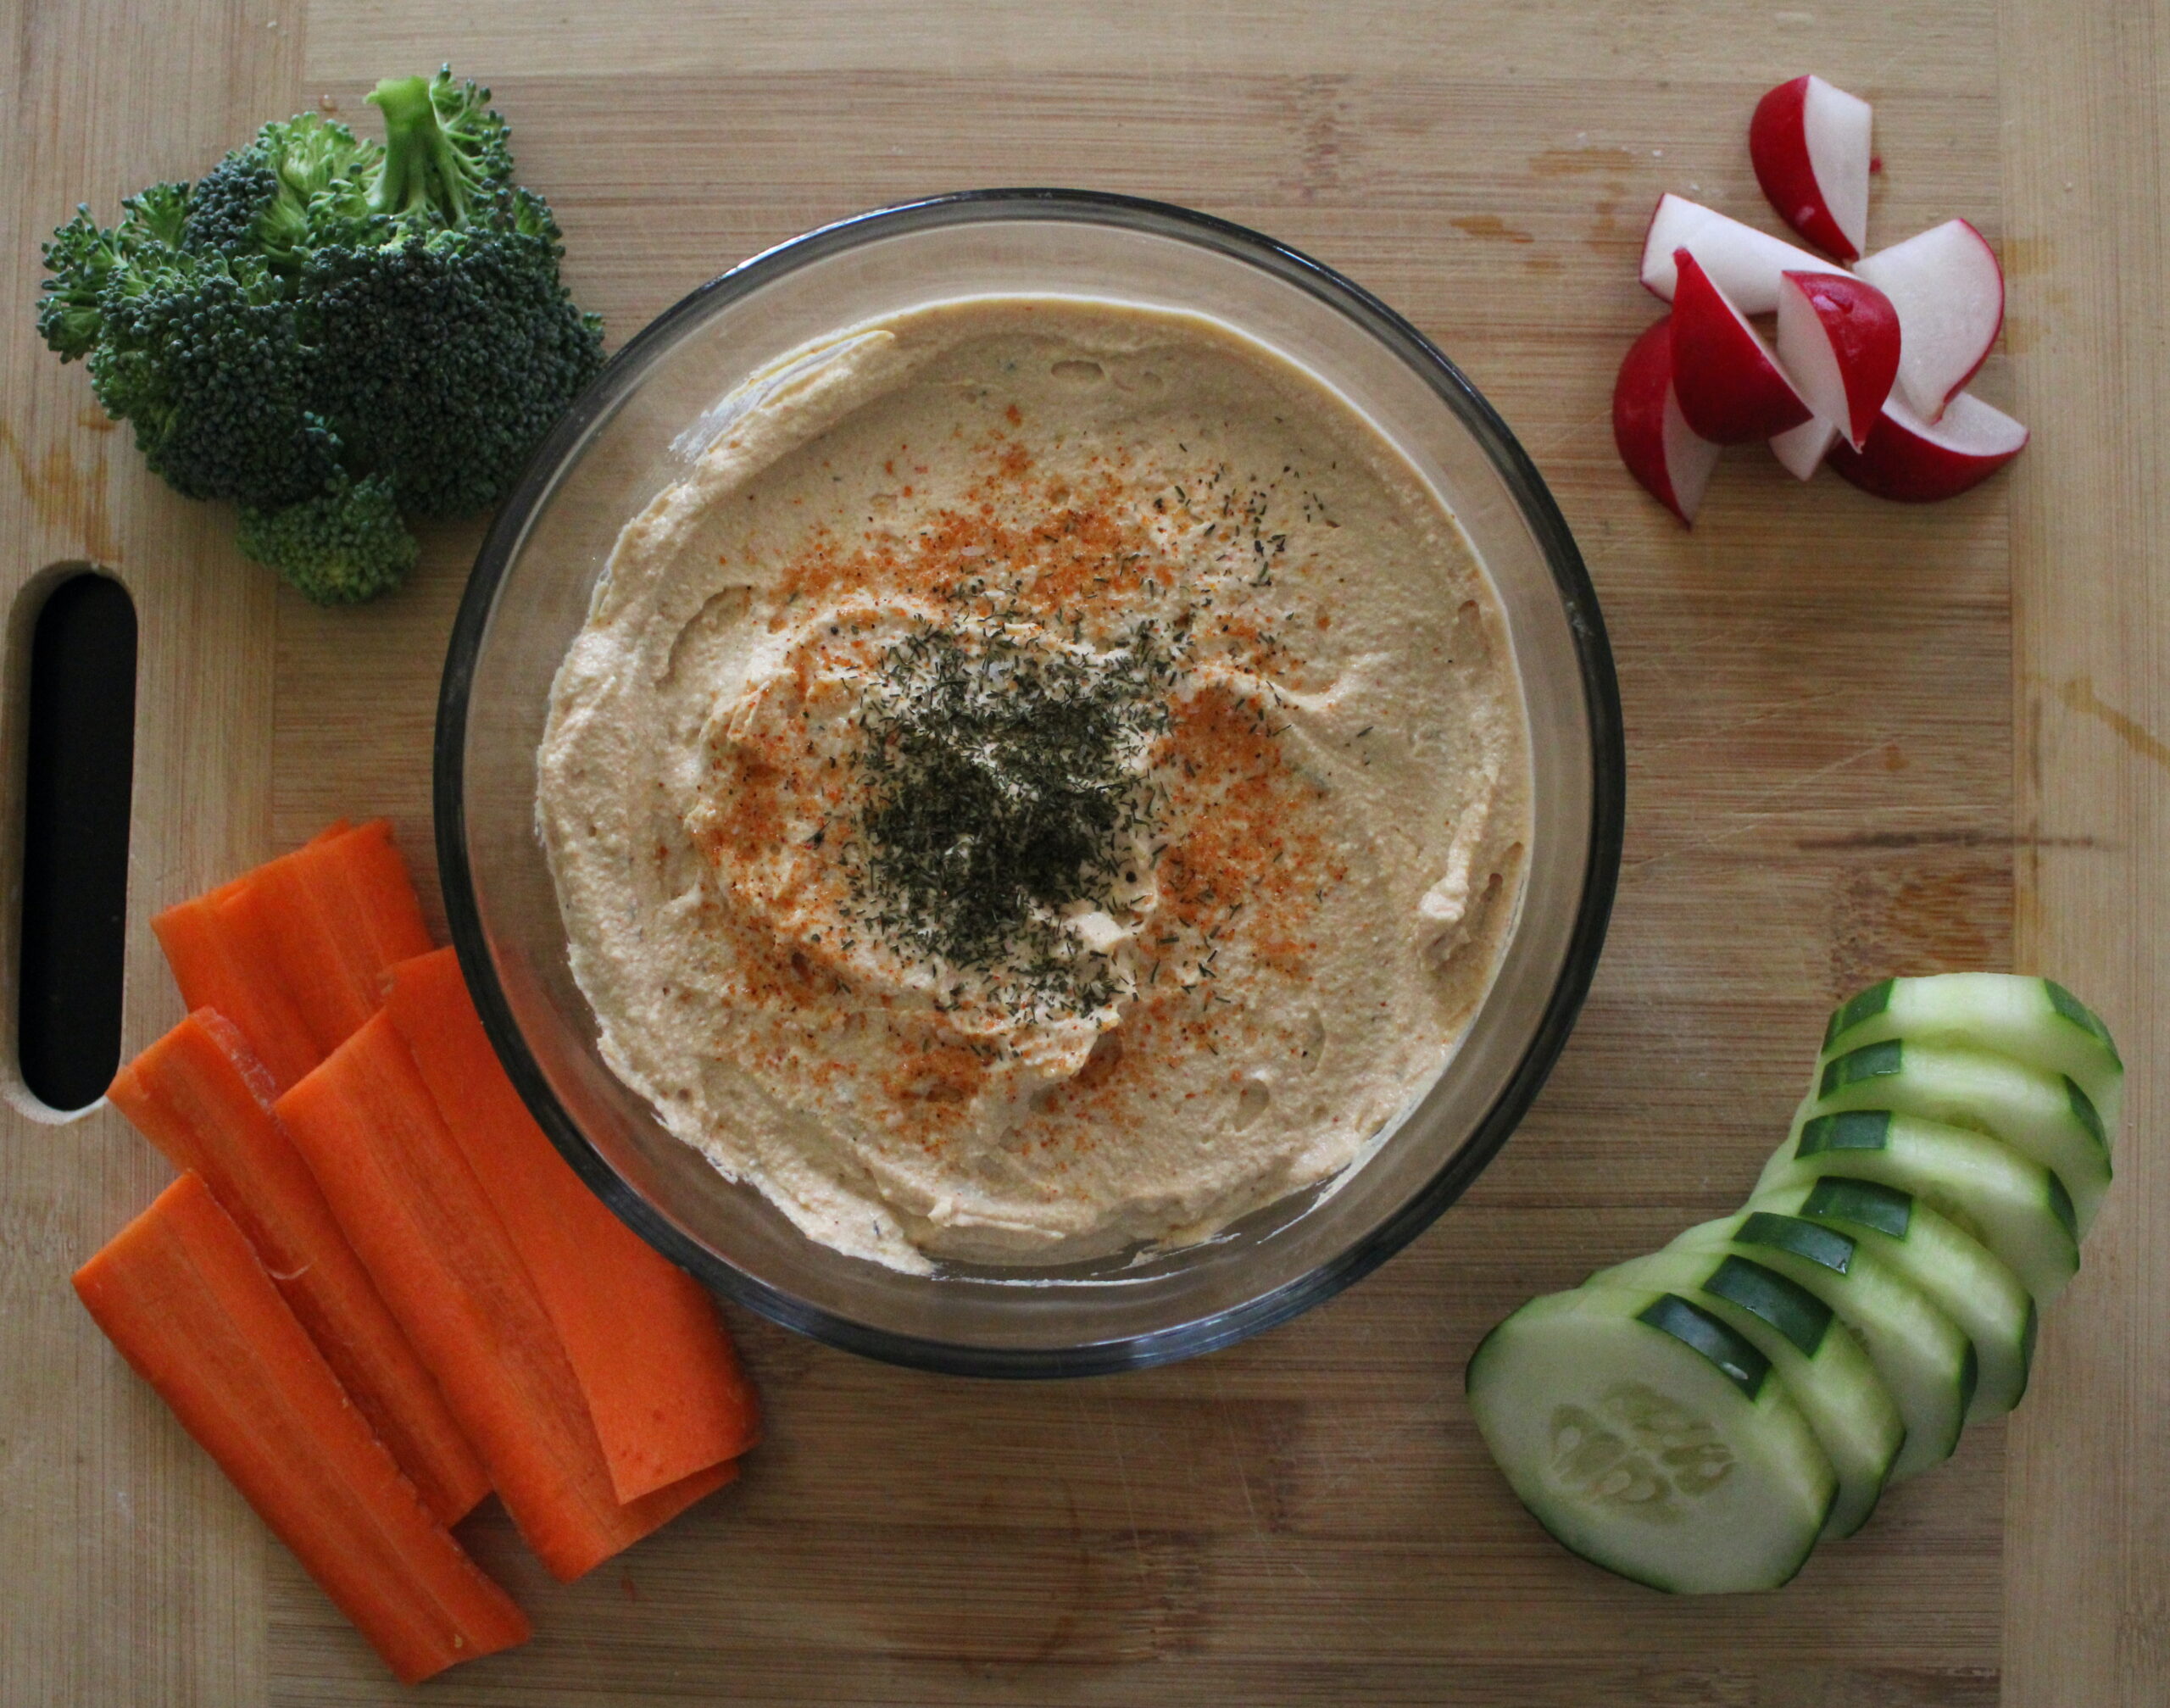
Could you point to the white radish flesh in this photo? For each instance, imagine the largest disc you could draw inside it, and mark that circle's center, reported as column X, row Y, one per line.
column 1743, row 262
column 1803, row 449
column 1949, row 290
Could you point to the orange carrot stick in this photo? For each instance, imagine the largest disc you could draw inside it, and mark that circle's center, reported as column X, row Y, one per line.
column 662, row 1382
column 328, row 918
column 216, row 970
column 181, row 1293
column 203, row 1098
column 379, row 907
column 425, row 1229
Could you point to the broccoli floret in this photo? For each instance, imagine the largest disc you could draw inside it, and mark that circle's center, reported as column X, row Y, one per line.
column 204, row 359
column 490, row 350
column 333, row 333
column 225, row 203
column 80, row 259
column 304, row 181
column 197, row 350
column 339, row 549
column 84, row 260
column 447, row 151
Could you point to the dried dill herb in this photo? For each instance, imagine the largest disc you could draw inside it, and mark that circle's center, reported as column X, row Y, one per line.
column 1002, row 784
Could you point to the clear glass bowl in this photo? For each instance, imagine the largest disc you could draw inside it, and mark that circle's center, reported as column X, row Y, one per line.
column 626, row 437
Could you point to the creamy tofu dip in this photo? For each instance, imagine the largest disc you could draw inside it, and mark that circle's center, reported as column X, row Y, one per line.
column 1048, row 777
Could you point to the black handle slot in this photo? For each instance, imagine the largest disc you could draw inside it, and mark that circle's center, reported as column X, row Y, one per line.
column 80, row 747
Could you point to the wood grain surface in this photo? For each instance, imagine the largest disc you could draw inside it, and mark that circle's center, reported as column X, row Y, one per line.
column 1862, row 739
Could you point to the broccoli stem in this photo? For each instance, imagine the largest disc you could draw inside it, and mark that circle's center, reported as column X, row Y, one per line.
column 421, row 168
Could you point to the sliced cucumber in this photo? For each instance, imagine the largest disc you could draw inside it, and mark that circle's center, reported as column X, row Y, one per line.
column 1954, row 1270
column 1818, row 1357
column 1651, row 1439
column 2049, row 1118
column 2034, row 1021
column 1926, row 1362
column 2016, row 1207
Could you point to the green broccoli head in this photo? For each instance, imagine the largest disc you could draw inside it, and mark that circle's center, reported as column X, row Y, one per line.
column 204, row 359
column 79, row 261
column 225, row 204
column 338, row 548
column 303, row 181
column 83, row 260
column 446, row 359
column 322, row 319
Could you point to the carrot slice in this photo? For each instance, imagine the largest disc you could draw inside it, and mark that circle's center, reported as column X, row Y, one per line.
column 294, row 952
column 215, row 969
column 425, row 1229
column 202, row 1096
column 182, row 1296
column 381, row 911
column 662, row 1381
column 329, row 918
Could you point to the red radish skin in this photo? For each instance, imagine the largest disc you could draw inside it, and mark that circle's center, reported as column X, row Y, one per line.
column 1838, row 341
column 1744, row 263
column 1655, row 443
column 1808, row 142
column 1949, row 290
column 1918, row 462
column 1731, row 388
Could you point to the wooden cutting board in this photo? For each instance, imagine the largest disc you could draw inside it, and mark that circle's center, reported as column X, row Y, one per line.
column 1862, row 739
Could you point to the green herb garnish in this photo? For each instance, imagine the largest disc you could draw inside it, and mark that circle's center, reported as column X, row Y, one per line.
column 1004, row 783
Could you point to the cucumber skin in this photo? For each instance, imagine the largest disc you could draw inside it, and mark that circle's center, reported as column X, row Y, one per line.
column 1868, row 1129
column 1888, row 1060
column 1766, row 1294
column 1867, row 1210
column 1813, row 1241
column 1856, row 1143
column 2034, row 1021
column 1857, row 1010
column 2045, row 1117
column 1720, row 1237
column 1861, row 1204
column 1695, row 1328
column 2071, row 1008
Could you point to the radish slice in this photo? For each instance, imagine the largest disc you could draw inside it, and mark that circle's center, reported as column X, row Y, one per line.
column 1728, row 380
column 1655, row 442
column 1805, row 448
column 1741, row 261
column 1838, row 341
column 1917, row 462
column 1810, row 144
column 1949, row 290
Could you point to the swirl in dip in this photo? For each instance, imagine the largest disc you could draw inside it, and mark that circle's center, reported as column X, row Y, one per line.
column 1049, row 777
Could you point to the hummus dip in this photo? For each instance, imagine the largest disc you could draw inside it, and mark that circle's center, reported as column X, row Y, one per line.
column 1048, row 777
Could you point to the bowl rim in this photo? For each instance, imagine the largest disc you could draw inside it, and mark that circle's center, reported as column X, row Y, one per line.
column 1601, row 702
